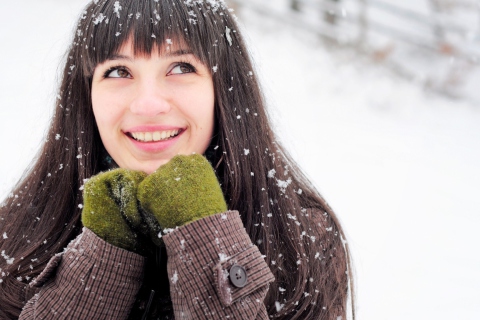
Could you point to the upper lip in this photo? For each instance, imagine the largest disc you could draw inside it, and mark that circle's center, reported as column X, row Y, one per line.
column 150, row 128
column 153, row 133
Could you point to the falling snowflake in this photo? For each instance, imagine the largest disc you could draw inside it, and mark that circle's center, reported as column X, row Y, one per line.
column 7, row 258
column 278, row 306
column 99, row 18
column 116, row 8
column 291, row 217
column 223, row 257
column 227, row 34
column 271, row 173
column 174, row 279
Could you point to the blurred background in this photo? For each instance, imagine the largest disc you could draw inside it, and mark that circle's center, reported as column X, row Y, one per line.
column 377, row 100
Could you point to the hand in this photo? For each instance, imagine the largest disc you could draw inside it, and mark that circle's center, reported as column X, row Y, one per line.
column 183, row 190
column 110, row 208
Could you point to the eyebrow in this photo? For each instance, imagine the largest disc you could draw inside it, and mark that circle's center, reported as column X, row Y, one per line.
column 176, row 53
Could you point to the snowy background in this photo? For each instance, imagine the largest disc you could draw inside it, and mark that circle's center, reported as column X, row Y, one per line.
column 400, row 166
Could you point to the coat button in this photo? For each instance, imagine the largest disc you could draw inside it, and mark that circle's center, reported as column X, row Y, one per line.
column 238, row 276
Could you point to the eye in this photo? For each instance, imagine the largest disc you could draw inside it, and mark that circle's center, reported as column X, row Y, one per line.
column 182, row 68
column 117, row 72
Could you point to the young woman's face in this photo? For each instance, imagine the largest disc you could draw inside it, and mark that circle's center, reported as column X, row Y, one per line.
column 151, row 108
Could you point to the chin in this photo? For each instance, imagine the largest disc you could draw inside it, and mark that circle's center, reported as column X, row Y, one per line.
column 151, row 167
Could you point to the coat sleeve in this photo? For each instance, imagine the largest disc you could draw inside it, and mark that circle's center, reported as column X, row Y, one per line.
column 91, row 279
column 215, row 270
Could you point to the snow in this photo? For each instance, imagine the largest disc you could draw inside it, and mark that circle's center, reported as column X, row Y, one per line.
column 7, row 258
column 271, row 173
column 227, row 34
column 117, row 8
column 278, row 306
column 223, row 257
column 398, row 165
column 174, row 278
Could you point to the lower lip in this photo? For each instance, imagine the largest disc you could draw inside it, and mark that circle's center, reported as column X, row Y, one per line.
column 155, row 146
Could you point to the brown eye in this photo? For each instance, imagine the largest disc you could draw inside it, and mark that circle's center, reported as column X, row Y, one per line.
column 117, row 72
column 122, row 73
column 182, row 68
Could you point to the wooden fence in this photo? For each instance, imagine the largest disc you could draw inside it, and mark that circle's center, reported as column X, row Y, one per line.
column 448, row 31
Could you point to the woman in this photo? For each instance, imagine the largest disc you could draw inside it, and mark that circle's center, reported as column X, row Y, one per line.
column 146, row 81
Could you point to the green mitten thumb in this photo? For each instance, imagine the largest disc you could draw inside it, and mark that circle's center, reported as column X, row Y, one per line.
column 182, row 190
column 110, row 207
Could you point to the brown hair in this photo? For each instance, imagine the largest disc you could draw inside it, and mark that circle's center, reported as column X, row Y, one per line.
column 276, row 201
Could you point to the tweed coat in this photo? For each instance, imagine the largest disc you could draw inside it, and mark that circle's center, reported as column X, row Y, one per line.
column 92, row 279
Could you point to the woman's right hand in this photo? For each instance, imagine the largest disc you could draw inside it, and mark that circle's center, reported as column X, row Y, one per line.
column 110, row 208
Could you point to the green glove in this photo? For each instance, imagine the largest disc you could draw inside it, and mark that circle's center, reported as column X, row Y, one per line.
column 183, row 190
column 110, row 208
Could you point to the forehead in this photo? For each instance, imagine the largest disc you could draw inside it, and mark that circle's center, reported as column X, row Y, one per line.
column 169, row 47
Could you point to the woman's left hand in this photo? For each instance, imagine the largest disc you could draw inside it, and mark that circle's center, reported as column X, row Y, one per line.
column 183, row 190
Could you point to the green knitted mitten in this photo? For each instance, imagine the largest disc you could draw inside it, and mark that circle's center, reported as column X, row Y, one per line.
column 110, row 208
column 183, row 190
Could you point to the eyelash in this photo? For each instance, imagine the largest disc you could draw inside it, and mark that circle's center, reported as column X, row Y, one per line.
column 179, row 64
column 185, row 64
column 111, row 69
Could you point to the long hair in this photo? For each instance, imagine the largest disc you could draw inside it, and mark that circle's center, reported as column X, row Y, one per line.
column 276, row 201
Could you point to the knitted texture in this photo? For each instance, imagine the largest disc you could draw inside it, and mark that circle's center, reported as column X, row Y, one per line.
column 110, row 208
column 183, row 190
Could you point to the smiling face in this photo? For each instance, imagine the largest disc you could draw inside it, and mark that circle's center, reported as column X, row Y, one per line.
column 150, row 108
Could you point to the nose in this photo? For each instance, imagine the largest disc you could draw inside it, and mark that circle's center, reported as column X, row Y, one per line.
column 151, row 99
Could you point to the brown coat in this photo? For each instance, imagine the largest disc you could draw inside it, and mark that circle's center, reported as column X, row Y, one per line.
column 92, row 279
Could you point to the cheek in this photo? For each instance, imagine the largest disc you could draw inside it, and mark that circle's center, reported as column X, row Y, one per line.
column 200, row 109
column 103, row 106
column 207, row 125
column 208, row 107
column 204, row 114
column 99, row 112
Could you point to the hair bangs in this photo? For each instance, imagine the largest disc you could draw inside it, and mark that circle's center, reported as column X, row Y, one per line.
column 195, row 26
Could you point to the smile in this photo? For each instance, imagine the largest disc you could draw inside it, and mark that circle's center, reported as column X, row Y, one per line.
column 154, row 135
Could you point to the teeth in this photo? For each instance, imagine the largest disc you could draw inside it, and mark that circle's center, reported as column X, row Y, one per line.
column 154, row 136
column 148, row 136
